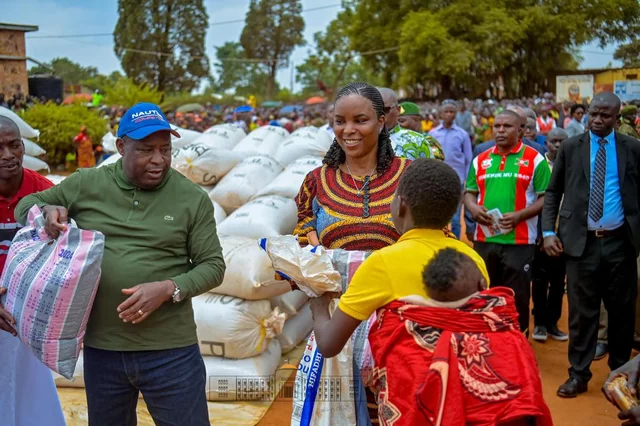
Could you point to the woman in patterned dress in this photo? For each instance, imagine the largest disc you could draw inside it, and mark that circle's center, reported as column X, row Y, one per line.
column 346, row 203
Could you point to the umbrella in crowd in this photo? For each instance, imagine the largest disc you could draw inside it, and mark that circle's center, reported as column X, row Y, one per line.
column 314, row 100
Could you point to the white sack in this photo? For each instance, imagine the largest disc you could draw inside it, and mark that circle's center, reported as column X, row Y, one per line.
column 33, row 149
column 264, row 140
column 235, row 328
column 186, row 137
column 202, row 164
column 290, row 303
column 255, row 374
column 34, row 164
column 263, row 217
column 109, row 143
column 111, row 160
column 307, row 141
column 55, row 179
column 249, row 274
column 218, row 213
column 78, row 376
column 244, row 181
column 296, row 330
column 222, row 136
column 287, row 184
column 26, row 131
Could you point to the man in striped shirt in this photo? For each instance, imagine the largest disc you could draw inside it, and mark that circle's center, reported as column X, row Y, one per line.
column 510, row 178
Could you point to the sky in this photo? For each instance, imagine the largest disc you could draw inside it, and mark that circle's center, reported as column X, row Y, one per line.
column 68, row 17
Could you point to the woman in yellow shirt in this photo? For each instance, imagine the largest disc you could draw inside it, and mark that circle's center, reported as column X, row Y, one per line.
column 426, row 199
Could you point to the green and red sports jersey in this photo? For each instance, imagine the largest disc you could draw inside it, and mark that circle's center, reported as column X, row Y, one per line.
column 510, row 182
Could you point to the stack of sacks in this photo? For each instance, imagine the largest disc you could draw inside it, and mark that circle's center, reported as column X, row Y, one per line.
column 222, row 136
column 264, row 140
column 306, row 141
column 203, row 164
column 32, row 150
column 109, row 143
column 237, row 327
column 186, row 137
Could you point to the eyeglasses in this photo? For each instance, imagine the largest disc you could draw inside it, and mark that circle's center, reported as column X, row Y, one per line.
column 388, row 109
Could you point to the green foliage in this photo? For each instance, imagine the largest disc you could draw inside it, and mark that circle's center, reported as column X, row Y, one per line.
column 174, row 28
column 125, row 92
column 465, row 45
column 172, row 102
column 231, row 69
column 103, row 82
column 59, row 124
column 70, row 72
column 629, row 54
column 273, row 28
column 332, row 63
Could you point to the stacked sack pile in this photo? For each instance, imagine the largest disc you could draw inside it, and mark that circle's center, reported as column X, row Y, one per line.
column 251, row 319
column 31, row 149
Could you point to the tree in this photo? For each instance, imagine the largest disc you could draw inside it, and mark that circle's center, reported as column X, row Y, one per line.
column 103, row 82
column 70, row 72
column 232, row 68
column 466, row 45
column 332, row 63
column 161, row 42
column 273, row 28
column 629, row 53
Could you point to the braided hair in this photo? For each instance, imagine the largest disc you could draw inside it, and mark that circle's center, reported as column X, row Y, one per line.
column 336, row 156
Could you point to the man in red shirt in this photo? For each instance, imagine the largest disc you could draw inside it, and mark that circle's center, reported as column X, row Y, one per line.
column 27, row 377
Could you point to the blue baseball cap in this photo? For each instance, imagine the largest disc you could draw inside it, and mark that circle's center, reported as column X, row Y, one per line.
column 143, row 119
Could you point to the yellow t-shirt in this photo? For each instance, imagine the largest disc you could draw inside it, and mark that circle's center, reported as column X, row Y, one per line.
column 395, row 272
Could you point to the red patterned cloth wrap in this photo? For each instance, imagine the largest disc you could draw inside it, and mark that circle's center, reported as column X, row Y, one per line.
column 456, row 367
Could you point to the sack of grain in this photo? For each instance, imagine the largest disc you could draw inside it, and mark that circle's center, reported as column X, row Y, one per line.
column 56, row 179
column 288, row 183
column 244, row 181
column 26, row 131
column 263, row 217
column 296, row 330
column 248, row 379
column 77, row 381
column 307, row 141
column 235, row 328
column 35, row 164
column 290, row 303
column 222, row 136
column 111, row 160
column 218, row 213
column 187, row 137
column 202, row 164
column 263, row 141
column 249, row 274
column 33, row 149
column 109, row 143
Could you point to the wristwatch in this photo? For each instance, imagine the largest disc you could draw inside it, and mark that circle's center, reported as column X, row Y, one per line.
column 177, row 295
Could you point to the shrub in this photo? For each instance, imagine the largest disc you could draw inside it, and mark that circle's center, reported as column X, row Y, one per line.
column 59, row 124
column 126, row 93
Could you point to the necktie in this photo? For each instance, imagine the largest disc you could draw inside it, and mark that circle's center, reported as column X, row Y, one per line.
column 596, row 198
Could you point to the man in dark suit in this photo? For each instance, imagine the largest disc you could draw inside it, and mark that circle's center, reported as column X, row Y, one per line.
column 599, row 234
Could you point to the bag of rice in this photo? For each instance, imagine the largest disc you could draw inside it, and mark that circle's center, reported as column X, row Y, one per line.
column 34, row 164
column 32, row 148
column 111, row 160
column 249, row 274
column 296, row 330
column 244, row 181
column 263, row 141
column 109, row 143
column 187, row 137
column 290, row 303
column 222, row 136
column 56, row 179
column 77, row 381
column 250, row 379
column 50, row 286
column 235, row 328
column 26, row 131
column 288, row 183
column 202, row 164
column 263, row 217
column 307, row 141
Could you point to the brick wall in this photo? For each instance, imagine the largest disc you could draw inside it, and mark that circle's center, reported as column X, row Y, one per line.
column 13, row 73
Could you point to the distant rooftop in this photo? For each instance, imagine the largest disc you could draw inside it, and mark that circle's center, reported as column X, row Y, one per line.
column 18, row 27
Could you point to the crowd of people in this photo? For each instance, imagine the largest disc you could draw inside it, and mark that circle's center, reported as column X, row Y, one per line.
column 450, row 343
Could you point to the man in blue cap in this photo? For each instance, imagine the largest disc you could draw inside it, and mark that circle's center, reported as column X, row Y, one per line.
column 161, row 249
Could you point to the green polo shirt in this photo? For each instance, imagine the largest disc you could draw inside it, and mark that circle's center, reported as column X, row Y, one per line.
column 166, row 233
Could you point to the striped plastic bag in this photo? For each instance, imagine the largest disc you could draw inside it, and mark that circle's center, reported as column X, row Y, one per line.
column 51, row 285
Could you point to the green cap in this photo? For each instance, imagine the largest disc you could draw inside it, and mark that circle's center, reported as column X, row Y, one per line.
column 409, row 108
column 629, row 110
